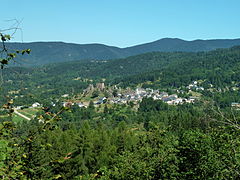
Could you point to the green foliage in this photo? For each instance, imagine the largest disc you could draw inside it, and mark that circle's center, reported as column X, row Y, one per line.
column 148, row 105
column 120, row 143
column 6, row 54
column 210, row 155
column 95, row 94
column 219, row 67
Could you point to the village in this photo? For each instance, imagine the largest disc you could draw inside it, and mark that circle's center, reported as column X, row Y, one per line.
column 102, row 94
column 117, row 95
column 140, row 93
column 123, row 96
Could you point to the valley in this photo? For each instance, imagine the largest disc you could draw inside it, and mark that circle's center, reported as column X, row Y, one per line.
column 100, row 116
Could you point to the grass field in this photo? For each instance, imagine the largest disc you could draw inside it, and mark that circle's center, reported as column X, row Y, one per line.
column 29, row 112
column 17, row 118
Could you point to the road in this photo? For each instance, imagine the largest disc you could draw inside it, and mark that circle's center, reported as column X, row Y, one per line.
column 21, row 115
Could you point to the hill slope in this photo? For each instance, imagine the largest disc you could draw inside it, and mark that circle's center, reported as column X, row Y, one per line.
column 53, row 52
column 218, row 67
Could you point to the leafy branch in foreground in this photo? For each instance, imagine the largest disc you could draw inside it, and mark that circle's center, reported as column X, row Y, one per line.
column 6, row 54
column 17, row 151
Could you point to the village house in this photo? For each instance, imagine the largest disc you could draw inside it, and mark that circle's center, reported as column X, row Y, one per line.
column 101, row 100
column 67, row 104
column 81, row 105
column 65, row 95
column 36, row 104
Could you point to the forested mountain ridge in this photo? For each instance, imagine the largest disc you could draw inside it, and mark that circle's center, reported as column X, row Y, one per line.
column 53, row 52
column 219, row 67
column 175, row 44
column 156, row 70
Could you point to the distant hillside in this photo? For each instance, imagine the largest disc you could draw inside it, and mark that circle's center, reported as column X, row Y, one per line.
column 53, row 52
column 221, row 68
column 175, row 44
column 72, row 77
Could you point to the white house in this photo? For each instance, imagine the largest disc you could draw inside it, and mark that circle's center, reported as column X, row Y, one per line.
column 36, row 104
column 65, row 95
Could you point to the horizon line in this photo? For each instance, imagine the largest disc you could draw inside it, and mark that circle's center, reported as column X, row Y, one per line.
column 97, row 43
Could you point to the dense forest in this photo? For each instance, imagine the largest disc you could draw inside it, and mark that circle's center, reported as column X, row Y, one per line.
column 156, row 141
column 219, row 67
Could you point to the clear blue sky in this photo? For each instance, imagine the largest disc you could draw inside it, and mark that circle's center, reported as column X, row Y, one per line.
column 122, row 22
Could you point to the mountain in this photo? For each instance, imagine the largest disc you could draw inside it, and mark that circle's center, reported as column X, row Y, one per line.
column 175, row 44
column 53, row 52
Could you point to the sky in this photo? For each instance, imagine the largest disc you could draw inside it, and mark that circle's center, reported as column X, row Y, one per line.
column 121, row 23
